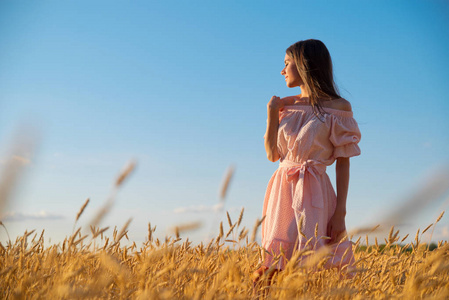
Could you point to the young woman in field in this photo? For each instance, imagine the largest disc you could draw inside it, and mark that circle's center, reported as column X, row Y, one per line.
column 307, row 133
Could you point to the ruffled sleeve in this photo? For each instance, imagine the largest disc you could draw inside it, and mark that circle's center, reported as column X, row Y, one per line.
column 345, row 135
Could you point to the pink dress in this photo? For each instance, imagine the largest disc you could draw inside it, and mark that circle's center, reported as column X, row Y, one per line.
column 300, row 187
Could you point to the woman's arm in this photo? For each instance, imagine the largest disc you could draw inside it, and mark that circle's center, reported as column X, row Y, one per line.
column 271, row 135
column 336, row 228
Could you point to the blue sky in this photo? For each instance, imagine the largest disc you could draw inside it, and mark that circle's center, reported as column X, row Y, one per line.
column 182, row 88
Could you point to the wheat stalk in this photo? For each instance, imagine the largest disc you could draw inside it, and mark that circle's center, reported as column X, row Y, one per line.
column 129, row 168
column 226, row 181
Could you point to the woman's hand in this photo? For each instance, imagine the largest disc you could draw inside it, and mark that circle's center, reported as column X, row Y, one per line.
column 276, row 103
column 336, row 228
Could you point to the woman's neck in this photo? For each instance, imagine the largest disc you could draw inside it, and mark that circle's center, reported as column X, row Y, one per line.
column 304, row 93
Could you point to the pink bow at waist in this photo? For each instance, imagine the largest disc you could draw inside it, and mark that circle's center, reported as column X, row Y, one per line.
column 306, row 172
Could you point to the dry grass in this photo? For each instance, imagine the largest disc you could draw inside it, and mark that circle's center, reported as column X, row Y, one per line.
column 96, row 266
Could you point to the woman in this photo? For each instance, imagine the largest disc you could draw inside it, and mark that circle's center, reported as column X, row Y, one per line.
column 307, row 133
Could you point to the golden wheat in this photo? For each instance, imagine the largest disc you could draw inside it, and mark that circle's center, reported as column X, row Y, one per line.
column 82, row 268
column 100, row 267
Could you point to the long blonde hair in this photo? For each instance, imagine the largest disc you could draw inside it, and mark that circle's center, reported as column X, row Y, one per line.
column 314, row 65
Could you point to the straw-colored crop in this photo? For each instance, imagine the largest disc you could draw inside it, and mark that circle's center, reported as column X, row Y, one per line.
column 97, row 267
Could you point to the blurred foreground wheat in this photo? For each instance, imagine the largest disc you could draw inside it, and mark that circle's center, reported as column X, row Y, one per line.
column 96, row 266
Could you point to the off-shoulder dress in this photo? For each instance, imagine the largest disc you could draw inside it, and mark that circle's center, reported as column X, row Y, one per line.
column 300, row 189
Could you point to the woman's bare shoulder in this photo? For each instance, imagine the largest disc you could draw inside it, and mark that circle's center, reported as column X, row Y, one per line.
column 288, row 98
column 340, row 104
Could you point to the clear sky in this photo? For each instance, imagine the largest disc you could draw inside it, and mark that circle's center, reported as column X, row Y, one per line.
column 182, row 88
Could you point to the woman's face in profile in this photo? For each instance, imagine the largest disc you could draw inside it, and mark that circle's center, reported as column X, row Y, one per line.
column 290, row 72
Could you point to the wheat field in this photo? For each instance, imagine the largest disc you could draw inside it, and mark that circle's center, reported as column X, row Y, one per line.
column 94, row 266
column 101, row 265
